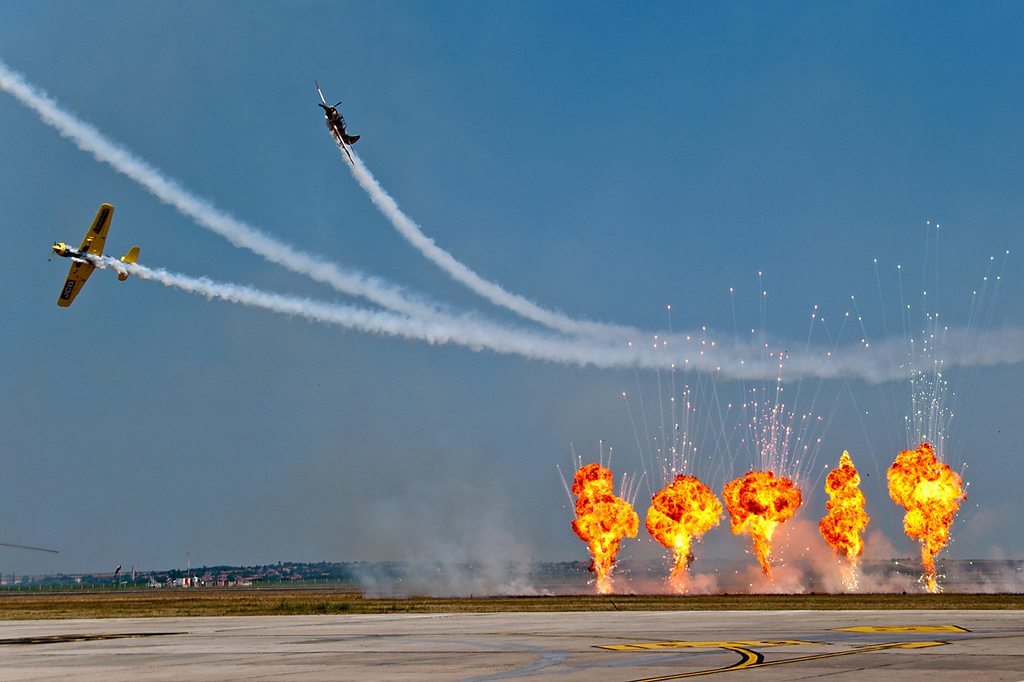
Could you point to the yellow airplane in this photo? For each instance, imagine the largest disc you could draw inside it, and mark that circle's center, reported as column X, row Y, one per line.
column 87, row 256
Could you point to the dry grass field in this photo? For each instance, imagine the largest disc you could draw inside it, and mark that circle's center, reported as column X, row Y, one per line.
column 291, row 601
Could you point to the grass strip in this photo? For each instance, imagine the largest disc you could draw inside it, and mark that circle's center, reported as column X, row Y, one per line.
column 271, row 601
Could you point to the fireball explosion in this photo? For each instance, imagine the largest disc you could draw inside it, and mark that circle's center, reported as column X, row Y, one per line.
column 846, row 518
column 681, row 511
column 930, row 492
column 758, row 503
column 602, row 520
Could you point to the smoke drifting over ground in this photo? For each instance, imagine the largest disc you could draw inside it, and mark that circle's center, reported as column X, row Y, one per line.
column 441, row 550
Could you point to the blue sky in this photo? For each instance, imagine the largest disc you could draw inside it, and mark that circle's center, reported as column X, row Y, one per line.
column 599, row 161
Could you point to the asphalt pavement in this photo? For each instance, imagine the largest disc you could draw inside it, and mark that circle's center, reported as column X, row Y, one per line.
column 866, row 646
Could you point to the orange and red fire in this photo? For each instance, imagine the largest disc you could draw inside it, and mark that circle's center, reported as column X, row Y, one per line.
column 846, row 518
column 602, row 520
column 758, row 503
column 681, row 511
column 931, row 493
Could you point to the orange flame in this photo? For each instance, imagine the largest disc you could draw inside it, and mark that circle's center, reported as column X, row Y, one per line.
column 758, row 503
column 845, row 520
column 681, row 511
column 931, row 493
column 602, row 519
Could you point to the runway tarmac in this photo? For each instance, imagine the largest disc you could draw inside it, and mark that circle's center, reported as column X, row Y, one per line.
column 614, row 647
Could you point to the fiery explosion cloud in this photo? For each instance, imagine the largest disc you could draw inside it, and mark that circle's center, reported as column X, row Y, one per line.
column 758, row 503
column 846, row 518
column 602, row 520
column 930, row 492
column 681, row 511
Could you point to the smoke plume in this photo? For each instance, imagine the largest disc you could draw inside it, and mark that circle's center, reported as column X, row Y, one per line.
column 204, row 213
column 461, row 273
column 412, row 316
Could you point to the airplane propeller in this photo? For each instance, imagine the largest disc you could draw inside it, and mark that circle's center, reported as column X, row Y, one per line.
column 324, row 105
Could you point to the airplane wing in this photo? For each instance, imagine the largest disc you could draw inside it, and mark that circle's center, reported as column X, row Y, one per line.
column 96, row 237
column 76, row 278
column 340, row 141
column 344, row 148
column 93, row 243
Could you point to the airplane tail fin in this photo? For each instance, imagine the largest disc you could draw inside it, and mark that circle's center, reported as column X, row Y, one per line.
column 130, row 257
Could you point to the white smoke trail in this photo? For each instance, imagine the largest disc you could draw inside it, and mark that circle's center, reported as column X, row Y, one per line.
column 91, row 140
column 727, row 362
column 419, row 320
column 464, row 331
column 460, row 273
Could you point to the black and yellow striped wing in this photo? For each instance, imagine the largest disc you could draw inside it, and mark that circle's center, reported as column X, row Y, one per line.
column 96, row 237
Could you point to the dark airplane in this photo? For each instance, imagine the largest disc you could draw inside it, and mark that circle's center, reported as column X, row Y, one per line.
column 336, row 124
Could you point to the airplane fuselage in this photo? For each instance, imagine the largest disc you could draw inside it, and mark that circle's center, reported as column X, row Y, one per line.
column 82, row 266
column 336, row 124
column 66, row 251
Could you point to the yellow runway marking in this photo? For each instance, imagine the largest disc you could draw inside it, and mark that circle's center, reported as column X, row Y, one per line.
column 908, row 628
column 752, row 659
column 701, row 645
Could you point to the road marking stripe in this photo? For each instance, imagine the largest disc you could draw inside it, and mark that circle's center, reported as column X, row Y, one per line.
column 759, row 662
column 908, row 628
column 703, row 645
